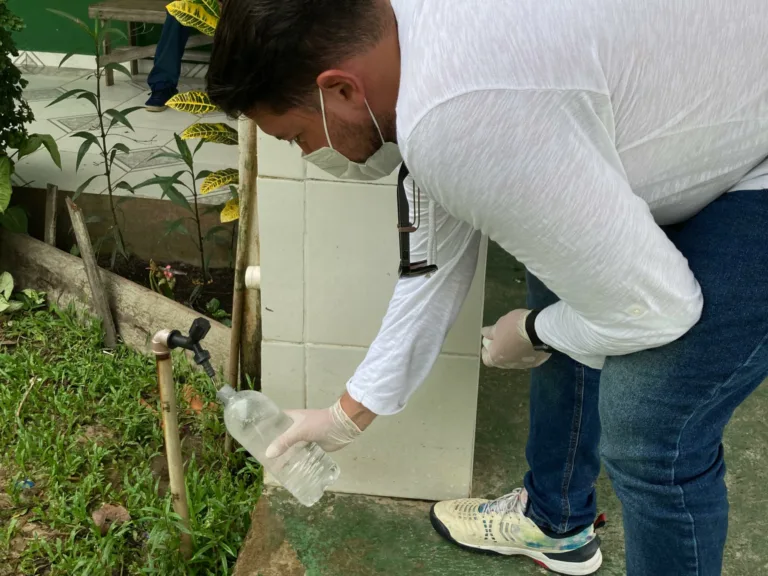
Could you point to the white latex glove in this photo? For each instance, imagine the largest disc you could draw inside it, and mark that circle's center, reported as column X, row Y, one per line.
column 506, row 344
column 331, row 429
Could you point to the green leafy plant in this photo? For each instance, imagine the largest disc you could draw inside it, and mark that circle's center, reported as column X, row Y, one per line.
column 162, row 279
column 85, row 427
column 6, row 289
column 215, row 311
column 27, row 299
column 192, row 102
column 203, row 15
column 228, row 211
column 187, row 179
column 15, row 113
column 107, row 120
column 218, row 133
column 31, row 299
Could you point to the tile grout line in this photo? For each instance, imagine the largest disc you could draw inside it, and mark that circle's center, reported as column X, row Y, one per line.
column 304, row 315
column 462, row 355
column 329, row 346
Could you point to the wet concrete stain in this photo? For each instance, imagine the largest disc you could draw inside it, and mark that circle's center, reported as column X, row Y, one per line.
column 266, row 551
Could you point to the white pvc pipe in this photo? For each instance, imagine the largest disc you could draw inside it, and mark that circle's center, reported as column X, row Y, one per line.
column 253, row 277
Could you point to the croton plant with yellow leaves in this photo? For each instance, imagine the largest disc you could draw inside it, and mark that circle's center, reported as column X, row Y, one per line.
column 203, row 15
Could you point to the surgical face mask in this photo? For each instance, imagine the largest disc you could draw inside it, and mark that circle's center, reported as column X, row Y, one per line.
column 380, row 165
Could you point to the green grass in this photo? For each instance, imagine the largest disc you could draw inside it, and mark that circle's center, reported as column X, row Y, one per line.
column 84, row 438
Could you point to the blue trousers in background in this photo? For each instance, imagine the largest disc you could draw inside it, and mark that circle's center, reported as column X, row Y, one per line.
column 657, row 416
column 170, row 49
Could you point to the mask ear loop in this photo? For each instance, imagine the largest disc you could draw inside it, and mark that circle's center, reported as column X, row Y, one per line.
column 375, row 123
column 325, row 122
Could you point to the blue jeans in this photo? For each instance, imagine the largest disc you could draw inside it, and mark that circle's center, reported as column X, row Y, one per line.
column 662, row 411
column 170, row 49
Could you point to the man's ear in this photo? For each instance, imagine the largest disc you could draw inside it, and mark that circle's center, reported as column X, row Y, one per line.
column 342, row 87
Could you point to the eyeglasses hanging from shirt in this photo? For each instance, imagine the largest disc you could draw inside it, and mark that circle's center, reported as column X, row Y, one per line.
column 408, row 222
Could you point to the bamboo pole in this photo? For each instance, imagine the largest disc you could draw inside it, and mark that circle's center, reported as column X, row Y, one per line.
column 92, row 272
column 250, row 332
column 247, row 145
column 172, row 438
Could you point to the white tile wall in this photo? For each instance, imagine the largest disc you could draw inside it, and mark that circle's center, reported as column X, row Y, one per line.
column 282, row 374
column 281, row 228
column 360, row 248
column 424, row 452
column 351, row 260
column 278, row 159
column 329, row 258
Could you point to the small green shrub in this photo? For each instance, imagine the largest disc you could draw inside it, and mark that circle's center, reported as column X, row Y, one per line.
column 107, row 119
column 15, row 114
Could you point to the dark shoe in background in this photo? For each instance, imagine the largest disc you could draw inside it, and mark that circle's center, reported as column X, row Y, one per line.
column 158, row 98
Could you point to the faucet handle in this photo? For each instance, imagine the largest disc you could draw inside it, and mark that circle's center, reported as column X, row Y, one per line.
column 199, row 329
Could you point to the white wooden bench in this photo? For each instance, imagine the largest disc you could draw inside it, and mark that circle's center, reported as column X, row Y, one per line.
column 133, row 12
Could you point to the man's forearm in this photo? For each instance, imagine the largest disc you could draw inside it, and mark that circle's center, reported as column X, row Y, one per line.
column 358, row 413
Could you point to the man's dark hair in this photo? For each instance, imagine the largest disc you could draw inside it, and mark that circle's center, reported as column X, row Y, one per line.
column 270, row 52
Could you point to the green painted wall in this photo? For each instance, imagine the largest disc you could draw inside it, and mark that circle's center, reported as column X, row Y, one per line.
column 47, row 32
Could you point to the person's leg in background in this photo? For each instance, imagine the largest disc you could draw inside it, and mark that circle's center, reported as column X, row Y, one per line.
column 663, row 411
column 562, row 449
column 163, row 80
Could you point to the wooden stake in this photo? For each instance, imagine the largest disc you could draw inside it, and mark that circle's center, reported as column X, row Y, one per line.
column 173, row 448
column 137, row 310
column 51, row 198
column 100, row 302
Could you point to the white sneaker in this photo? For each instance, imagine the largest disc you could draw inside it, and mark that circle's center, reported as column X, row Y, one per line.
column 501, row 527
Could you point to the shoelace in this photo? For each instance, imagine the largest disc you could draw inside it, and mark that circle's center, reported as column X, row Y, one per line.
column 509, row 503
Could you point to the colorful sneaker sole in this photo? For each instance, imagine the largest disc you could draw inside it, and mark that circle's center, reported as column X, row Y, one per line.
column 581, row 562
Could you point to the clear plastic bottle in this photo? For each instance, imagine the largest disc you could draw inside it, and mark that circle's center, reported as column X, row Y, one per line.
column 305, row 470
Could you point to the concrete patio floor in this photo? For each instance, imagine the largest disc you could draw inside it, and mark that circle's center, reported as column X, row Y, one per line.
column 348, row 535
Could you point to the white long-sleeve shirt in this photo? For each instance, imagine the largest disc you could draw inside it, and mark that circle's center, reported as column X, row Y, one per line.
column 568, row 132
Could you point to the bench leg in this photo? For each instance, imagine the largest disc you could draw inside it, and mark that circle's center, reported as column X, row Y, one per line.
column 107, row 50
column 132, row 42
